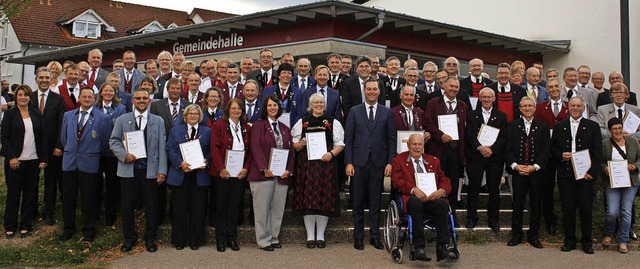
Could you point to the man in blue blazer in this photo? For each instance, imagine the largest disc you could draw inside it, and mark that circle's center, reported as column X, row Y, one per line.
column 251, row 101
column 370, row 139
column 84, row 135
column 303, row 80
column 140, row 174
column 533, row 85
column 331, row 96
column 130, row 77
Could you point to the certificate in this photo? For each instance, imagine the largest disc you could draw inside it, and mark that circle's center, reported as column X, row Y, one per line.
column 631, row 123
column 278, row 161
column 234, row 160
column 403, row 137
column 316, row 145
column 134, row 143
column 581, row 162
column 426, row 182
column 192, row 154
column 619, row 174
column 285, row 118
column 488, row 135
column 474, row 102
column 448, row 124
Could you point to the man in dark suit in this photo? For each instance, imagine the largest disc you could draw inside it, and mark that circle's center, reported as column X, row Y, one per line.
column 442, row 145
column 251, row 101
column 52, row 107
column 130, row 77
column 570, row 136
column 411, row 77
column 475, row 82
column 508, row 95
column 336, row 77
column 370, row 139
column 526, row 154
column 303, row 79
column 485, row 158
column 605, row 97
column 266, row 75
column 164, row 59
column 393, row 82
column 413, row 63
column 375, row 68
column 97, row 75
column 332, row 97
column 352, row 90
column 430, row 84
column 462, row 95
column 151, row 68
column 232, row 88
column 346, row 65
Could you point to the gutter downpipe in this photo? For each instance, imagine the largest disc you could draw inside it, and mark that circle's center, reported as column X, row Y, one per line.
column 380, row 18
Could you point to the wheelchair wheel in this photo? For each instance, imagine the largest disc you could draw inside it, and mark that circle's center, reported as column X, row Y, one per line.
column 391, row 229
column 396, row 255
column 457, row 253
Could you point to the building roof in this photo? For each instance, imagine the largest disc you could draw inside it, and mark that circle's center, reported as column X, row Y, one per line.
column 210, row 15
column 331, row 9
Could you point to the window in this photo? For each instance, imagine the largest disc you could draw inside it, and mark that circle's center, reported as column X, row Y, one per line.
column 87, row 25
column 5, row 32
column 7, row 69
column 152, row 27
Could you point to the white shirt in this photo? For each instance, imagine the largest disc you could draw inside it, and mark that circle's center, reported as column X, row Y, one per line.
column 433, row 86
column 46, row 95
column 326, row 93
column 338, row 133
column 368, row 107
column 306, row 82
column 507, row 87
column 527, row 125
column 574, row 130
column 616, row 109
column 242, row 79
column 192, row 97
column 253, row 108
column 189, row 130
column 29, row 144
column 268, row 73
column 233, row 89
column 205, row 84
column 408, row 110
column 104, row 109
column 615, row 155
column 446, row 102
column 75, row 90
column 420, row 163
column 486, row 114
column 86, row 118
column 533, row 89
column 145, row 115
column 236, row 133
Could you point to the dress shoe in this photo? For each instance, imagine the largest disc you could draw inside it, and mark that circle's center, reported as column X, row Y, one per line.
column 495, row 228
column 151, row 246
column 551, row 230
column 567, row 247
column 65, row 236
column 267, row 248
column 194, row 247
column 49, row 220
column 535, row 243
column 514, row 241
column 9, row 235
column 233, row 244
column 179, row 247
column 358, row 244
column 606, row 241
column 633, row 235
column 276, row 245
column 24, row 233
column 376, row 243
column 421, row 255
column 127, row 246
column 471, row 224
column 588, row 249
column 622, row 248
column 87, row 240
column 311, row 244
column 221, row 247
column 321, row 244
column 443, row 253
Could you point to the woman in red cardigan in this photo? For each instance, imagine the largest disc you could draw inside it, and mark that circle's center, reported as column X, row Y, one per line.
column 231, row 133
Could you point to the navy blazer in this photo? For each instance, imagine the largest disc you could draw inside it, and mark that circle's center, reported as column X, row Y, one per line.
column 311, row 82
column 362, row 140
column 291, row 103
column 84, row 154
column 118, row 111
column 262, row 140
column 125, row 99
column 255, row 115
column 178, row 136
column 13, row 134
column 332, row 107
column 161, row 108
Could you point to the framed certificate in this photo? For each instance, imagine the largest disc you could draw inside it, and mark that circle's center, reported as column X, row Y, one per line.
column 619, row 174
column 448, row 124
column 426, row 182
column 581, row 162
column 192, row 154
column 488, row 135
column 316, row 145
column 234, row 161
column 134, row 143
column 278, row 161
column 403, row 137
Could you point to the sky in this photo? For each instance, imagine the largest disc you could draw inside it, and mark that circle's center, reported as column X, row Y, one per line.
column 240, row 7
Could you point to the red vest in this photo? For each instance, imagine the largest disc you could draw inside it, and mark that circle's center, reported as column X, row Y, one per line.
column 64, row 92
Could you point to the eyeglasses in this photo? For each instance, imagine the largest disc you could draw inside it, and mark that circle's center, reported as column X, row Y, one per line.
column 618, row 93
column 451, row 64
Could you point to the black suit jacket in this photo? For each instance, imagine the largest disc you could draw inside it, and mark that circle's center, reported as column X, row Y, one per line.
column 13, row 134
column 392, row 95
column 465, row 84
column 538, row 143
column 587, row 137
column 474, row 122
column 54, row 109
column 462, row 96
column 352, row 95
column 161, row 109
column 518, row 93
column 605, row 98
column 341, row 79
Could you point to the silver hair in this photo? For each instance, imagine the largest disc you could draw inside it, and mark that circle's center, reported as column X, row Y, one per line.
column 312, row 98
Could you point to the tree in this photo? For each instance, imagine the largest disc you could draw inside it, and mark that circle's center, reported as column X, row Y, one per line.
column 9, row 9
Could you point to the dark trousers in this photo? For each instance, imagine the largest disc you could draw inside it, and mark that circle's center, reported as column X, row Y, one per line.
column 21, row 182
column 149, row 190
column 475, row 169
column 452, row 166
column 52, row 183
column 162, row 202
column 547, row 191
column 228, row 200
column 88, row 185
column 366, row 183
column 438, row 209
column 109, row 168
column 576, row 194
column 212, row 205
column 522, row 185
column 188, row 212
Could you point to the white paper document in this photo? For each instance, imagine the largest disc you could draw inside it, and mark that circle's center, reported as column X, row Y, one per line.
column 619, row 174
column 234, row 160
column 134, row 143
column 316, row 145
column 474, row 102
column 426, row 182
column 286, row 119
column 488, row 135
column 192, row 154
column 403, row 137
column 278, row 161
column 448, row 124
column 581, row 162
column 631, row 123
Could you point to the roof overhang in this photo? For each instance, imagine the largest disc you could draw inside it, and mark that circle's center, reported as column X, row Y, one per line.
column 288, row 15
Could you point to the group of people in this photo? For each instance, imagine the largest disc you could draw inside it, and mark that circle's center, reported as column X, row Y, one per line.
column 80, row 129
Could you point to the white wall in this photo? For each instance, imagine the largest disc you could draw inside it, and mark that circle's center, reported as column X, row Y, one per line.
column 593, row 26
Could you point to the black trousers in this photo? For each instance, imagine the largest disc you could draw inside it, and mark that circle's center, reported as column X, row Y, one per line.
column 452, row 166
column 438, row 209
column 576, row 194
column 162, row 202
column 148, row 188
column 366, row 184
column 522, row 185
column 228, row 200
column 109, row 168
column 88, row 185
column 188, row 212
column 212, row 205
column 52, row 184
column 21, row 182
column 547, row 190
column 475, row 169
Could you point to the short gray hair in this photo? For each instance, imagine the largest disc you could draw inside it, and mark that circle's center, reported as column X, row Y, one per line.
column 314, row 97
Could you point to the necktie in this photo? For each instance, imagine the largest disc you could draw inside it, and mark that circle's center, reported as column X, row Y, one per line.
column 250, row 112
column 193, row 133
column 41, row 106
column 569, row 94
column 92, row 78
column 502, row 90
column 370, row 114
column 533, row 93
column 139, row 122
column 303, row 85
column 232, row 92
column 283, row 93
column 322, row 91
column 275, row 128
column 81, row 122
column 194, row 98
column 109, row 110
column 128, row 76
column 486, row 117
column 265, row 78
column 584, row 86
column 527, row 126
column 556, row 109
column 409, row 119
column 450, row 107
column 430, row 88
column 619, row 113
column 418, row 167
column 333, row 80
column 72, row 96
column 478, row 80
column 393, row 82
column 174, row 111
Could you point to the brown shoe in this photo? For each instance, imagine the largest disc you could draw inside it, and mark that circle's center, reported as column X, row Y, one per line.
column 623, row 248
column 606, row 241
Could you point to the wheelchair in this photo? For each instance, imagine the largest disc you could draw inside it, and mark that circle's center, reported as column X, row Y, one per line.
column 398, row 228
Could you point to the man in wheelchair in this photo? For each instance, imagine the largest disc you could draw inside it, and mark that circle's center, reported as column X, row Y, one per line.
column 422, row 202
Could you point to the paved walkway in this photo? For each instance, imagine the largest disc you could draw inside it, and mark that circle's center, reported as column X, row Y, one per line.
column 492, row 255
